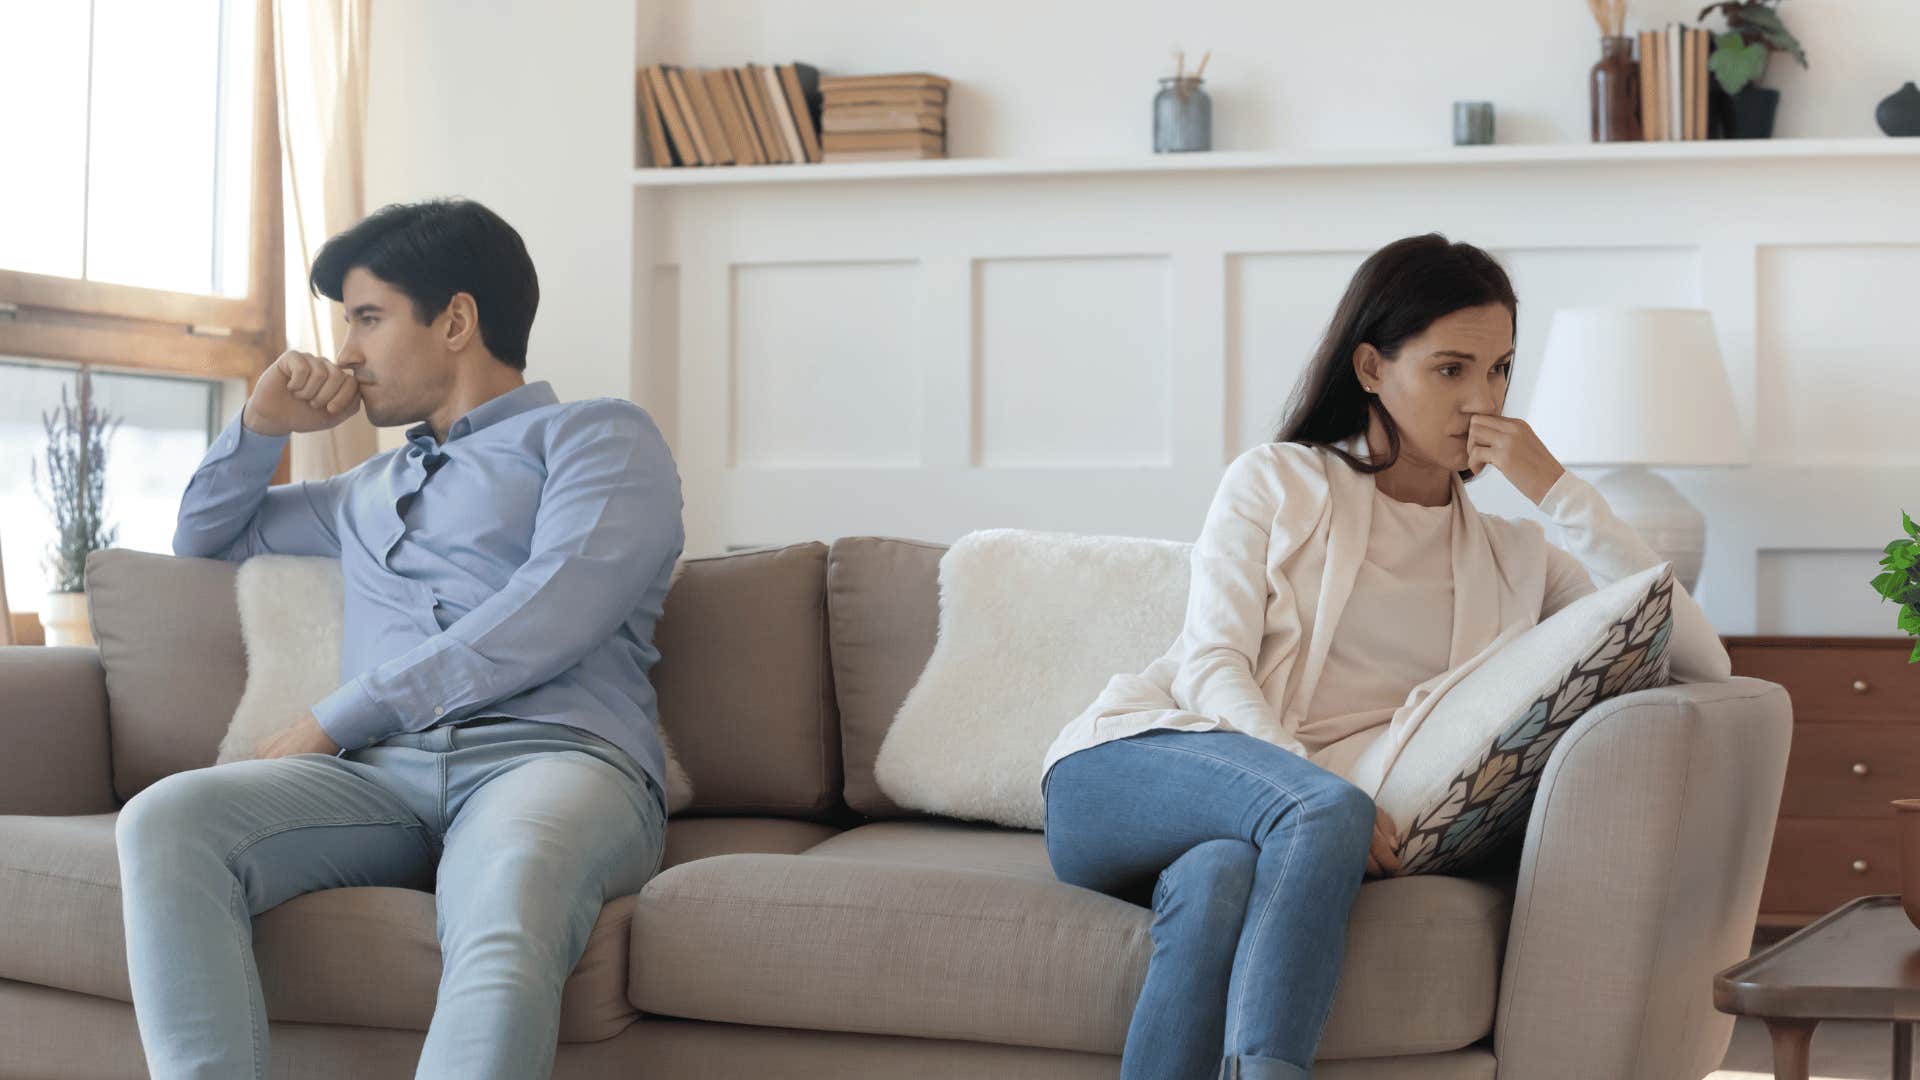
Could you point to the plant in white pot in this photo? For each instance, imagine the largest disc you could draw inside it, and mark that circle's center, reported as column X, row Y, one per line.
column 75, row 493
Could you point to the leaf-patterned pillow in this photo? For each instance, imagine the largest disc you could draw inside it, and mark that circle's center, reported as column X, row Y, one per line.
column 1611, row 642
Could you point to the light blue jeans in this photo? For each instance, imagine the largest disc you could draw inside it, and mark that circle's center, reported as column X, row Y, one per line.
column 1253, row 855
column 522, row 830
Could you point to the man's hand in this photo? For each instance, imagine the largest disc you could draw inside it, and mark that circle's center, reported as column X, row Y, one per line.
column 301, row 392
column 1381, row 858
column 1511, row 446
column 306, row 736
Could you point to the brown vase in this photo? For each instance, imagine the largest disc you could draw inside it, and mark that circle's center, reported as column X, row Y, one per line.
column 1613, row 92
column 1906, row 813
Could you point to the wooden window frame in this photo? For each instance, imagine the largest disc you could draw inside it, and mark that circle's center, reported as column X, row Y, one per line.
column 127, row 326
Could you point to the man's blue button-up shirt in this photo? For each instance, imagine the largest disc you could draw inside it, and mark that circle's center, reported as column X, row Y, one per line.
column 515, row 570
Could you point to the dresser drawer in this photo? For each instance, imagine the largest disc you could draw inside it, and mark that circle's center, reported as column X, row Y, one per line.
column 1817, row 865
column 1837, row 683
column 1850, row 770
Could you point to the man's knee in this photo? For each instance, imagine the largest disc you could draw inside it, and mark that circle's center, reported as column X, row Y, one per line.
column 171, row 812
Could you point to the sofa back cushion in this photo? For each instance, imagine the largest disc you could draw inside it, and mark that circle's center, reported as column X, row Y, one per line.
column 169, row 637
column 744, row 685
column 883, row 607
column 746, row 691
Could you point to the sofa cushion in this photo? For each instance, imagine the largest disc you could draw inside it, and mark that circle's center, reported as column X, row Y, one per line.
column 169, row 637
column 745, row 689
column 342, row 956
column 883, row 611
column 942, row 930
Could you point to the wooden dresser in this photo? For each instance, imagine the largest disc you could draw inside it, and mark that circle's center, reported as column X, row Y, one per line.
column 1856, row 746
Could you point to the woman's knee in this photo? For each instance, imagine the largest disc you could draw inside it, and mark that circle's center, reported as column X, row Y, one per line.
column 1219, row 870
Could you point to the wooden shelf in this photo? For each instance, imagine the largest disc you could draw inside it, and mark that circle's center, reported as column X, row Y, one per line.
column 1258, row 160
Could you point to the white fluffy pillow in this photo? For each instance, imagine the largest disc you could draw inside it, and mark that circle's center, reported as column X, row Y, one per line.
column 1032, row 625
column 291, row 623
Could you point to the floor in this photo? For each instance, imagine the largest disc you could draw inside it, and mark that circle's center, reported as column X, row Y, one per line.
column 1841, row 1051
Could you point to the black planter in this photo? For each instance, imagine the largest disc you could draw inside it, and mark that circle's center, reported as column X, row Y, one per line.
column 1899, row 112
column 1749, row 113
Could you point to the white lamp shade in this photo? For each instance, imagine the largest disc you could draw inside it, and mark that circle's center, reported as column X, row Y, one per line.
column 1635, row 386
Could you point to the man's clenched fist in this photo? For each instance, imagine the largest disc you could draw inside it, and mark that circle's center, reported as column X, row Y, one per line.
column 301, row 392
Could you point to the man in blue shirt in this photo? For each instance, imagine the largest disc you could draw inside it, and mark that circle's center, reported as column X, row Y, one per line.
column 494, row 736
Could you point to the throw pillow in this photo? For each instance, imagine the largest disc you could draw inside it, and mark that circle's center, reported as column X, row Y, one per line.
column 1032, row 625
column 291, row 623
column 1462, row 784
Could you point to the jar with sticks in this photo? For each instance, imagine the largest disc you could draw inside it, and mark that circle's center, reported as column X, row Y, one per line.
column 1613, row 86
column 1182, row 112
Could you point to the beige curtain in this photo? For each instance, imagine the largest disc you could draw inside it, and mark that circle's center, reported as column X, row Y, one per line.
column 320, row 67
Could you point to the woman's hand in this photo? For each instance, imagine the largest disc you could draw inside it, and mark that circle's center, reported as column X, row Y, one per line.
column 1511, row 446
column 1381, row 857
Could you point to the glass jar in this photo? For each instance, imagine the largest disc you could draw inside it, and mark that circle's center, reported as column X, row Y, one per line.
column 1613, row 91
column 1182, row 117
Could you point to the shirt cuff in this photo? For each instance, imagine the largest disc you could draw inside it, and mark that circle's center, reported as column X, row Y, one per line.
column 353, row 718
column 1565, row 494
column 248, row 448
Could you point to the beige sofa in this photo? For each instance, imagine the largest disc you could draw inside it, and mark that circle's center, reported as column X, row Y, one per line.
column 805, row 927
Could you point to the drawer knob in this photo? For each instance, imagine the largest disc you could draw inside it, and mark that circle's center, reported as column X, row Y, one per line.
column 1859, row 866
column 1859, row 686
column 1860, row 768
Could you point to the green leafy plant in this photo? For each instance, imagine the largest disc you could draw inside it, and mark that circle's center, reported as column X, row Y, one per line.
column 1754, row 32
column 75, row 487
column 1899, row 581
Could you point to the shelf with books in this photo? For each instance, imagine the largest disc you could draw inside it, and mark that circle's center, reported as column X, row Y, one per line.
column 1515, row 155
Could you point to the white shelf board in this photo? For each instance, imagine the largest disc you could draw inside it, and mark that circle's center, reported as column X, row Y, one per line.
column 1254, row 160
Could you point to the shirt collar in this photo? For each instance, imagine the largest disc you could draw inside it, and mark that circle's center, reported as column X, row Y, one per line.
column 520, row 399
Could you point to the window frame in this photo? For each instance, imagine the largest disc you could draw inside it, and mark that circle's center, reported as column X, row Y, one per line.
column 221, row 337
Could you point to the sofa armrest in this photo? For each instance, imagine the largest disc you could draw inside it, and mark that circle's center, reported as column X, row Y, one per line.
column 54, row 756
column 1640, row 879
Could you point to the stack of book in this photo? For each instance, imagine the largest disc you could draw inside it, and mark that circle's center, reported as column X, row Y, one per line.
column 752, row 115
column 884, row 117
column 1673, row 83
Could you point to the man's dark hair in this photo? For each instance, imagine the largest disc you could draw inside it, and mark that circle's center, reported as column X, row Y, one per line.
column 431, row 250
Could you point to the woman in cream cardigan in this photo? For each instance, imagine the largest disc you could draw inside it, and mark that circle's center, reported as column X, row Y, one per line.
column 1333, row 589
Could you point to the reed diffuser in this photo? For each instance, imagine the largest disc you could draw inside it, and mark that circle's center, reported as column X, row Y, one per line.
column 1182, row 112
column 1613, row 86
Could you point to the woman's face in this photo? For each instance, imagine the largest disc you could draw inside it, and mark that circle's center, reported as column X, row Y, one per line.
column 1458, row 367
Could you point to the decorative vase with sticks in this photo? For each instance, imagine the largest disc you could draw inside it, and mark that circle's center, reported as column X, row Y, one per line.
column 1182, row 112
column 1613, row 84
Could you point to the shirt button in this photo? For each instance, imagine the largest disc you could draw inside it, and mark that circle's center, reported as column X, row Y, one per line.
column 438, row 711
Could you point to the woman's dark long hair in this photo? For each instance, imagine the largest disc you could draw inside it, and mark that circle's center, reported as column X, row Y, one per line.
column 1395, row 295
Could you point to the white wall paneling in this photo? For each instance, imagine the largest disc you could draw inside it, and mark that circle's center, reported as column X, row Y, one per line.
column 925, row 352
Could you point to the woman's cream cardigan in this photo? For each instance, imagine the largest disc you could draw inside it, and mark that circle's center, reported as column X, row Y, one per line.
column 1273, row 567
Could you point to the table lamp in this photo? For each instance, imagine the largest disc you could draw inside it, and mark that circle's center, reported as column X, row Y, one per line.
column 1640, row 388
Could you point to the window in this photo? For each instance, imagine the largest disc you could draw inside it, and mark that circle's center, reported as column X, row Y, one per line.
column 139, row 219
column 144, row 233
column 141, row 138
column 166, row 424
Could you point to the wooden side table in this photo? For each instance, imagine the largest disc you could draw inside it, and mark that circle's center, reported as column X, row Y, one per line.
column 1860, row 961
column 1856, row 747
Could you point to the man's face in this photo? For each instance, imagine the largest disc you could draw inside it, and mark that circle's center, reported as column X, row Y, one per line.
column 403, row 366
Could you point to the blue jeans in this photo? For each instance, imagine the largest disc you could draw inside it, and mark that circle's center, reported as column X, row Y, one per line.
column 522, row 830
column 1254, row 855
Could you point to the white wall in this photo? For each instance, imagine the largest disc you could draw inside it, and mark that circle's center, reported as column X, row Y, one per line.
column 1039, row 78
column 527, row 108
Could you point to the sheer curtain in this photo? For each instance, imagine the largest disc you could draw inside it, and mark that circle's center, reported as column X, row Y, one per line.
column 320, row 70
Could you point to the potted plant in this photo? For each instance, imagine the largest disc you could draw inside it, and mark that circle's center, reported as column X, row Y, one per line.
column 74, row 492
column 1739, row 61
column 1899, row 581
